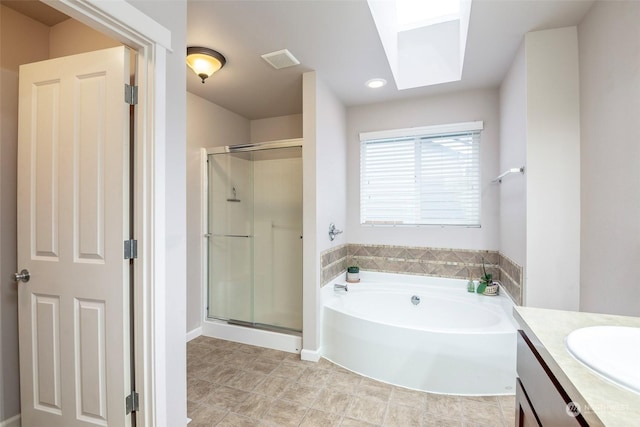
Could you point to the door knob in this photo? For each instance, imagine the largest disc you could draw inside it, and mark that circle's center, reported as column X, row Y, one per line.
column 23, row 276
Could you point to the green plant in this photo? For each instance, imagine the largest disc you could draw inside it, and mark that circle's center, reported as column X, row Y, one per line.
column 485, row 280
column 353, row 269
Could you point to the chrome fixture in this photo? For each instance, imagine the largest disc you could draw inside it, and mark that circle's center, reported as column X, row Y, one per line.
column 333, row 231
column 338, row 287
column 510, row 171
column 23, row 276
column 415, row 300
column 204, row 61
column 235, row 197
column 271, row 145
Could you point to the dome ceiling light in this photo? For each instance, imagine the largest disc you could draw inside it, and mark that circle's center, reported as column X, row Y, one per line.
column 204, row 61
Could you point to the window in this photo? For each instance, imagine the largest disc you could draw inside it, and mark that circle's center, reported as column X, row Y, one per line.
column 421, row 176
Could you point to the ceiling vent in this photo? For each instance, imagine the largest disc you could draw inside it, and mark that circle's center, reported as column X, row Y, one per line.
column 280, row 59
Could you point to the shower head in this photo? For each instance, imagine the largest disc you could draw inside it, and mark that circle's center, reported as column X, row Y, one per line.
column 234, row 198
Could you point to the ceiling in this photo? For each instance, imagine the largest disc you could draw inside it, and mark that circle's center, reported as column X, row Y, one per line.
column 338, row 39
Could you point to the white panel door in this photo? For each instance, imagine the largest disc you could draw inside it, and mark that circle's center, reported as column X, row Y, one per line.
column 73, row 216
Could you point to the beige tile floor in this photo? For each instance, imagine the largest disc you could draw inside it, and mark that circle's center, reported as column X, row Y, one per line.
column 231, row 384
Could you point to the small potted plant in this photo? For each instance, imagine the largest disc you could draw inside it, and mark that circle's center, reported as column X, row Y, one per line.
column 353, row 274
column 487, row 285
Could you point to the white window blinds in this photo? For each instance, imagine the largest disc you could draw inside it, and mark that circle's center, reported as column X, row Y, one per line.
column 426, row 178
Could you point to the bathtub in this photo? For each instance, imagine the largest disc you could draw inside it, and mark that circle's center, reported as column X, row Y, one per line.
column 450, row 342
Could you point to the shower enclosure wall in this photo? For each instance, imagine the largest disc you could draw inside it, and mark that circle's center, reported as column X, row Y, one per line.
column 255, row 235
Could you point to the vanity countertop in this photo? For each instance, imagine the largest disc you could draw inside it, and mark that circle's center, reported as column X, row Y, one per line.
column 602, row 403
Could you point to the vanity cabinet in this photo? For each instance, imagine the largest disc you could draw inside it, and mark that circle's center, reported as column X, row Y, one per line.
column 549, row 377
column 540, row 398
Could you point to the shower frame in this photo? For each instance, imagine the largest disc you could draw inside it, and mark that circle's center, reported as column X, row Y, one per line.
column 278, row 338
column 270, row 145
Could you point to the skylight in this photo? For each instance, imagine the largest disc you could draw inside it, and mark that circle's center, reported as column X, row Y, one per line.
column 424, row 40
column 412, row 14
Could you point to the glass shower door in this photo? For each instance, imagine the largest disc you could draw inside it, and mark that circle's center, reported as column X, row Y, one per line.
column 255, row 238
column 278, row 238
column 231, row 237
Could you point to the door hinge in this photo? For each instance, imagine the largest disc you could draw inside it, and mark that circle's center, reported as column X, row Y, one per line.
column 131, row 94
column 132, row 402
column 130, row 249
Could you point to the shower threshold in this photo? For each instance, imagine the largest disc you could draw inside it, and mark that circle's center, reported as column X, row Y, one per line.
column 264, row 326
column 248, row 333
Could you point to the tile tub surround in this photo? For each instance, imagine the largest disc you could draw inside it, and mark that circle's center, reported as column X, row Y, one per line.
column 333, row 262
column 423, row 261
column 232, row 384
column 512, row 278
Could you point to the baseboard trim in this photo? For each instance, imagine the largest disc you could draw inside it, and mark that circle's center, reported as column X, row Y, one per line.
column 310, row 355
column 12, row 422
column 192, row 334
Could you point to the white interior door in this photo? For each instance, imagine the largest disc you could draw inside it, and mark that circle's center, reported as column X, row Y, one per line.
column 73, row 216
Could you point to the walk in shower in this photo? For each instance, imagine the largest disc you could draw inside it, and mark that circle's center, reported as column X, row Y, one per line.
column 255, row 235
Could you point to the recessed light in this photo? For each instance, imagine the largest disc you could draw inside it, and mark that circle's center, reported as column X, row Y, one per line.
column 375, row 83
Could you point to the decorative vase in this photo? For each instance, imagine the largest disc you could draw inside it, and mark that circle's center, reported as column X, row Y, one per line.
column 353, row 274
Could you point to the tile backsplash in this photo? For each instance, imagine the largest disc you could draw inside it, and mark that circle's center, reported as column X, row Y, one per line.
column 438, row 262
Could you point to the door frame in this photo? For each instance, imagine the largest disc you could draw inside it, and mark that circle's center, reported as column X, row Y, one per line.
column 123, row 22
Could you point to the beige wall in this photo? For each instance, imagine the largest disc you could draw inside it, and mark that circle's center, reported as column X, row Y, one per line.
column 324, row 193
column 276, row 128
column 23, row 40
column 71, row 37
column 553, row 169
column 513, row 149
column 602, row 198
column 609, row 39
column 540, row 129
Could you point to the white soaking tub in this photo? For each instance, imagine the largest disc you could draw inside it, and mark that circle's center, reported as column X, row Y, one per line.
column 451, row 342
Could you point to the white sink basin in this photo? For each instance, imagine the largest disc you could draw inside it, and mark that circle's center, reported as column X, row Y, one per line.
column 611, row 351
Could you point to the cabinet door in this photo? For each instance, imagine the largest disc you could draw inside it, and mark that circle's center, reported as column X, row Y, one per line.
column 525, row 417
column 547, row 398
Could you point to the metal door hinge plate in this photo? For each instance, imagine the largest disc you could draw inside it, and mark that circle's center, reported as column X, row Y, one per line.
column 132, row 402
column 131, row 94
column 130, row 249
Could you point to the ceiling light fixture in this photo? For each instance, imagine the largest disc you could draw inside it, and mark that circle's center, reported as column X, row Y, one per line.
column 375, row 83
column 204, row 61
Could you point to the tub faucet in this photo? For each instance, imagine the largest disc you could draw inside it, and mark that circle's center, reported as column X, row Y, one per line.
column 338, row 287
column 333, row 231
